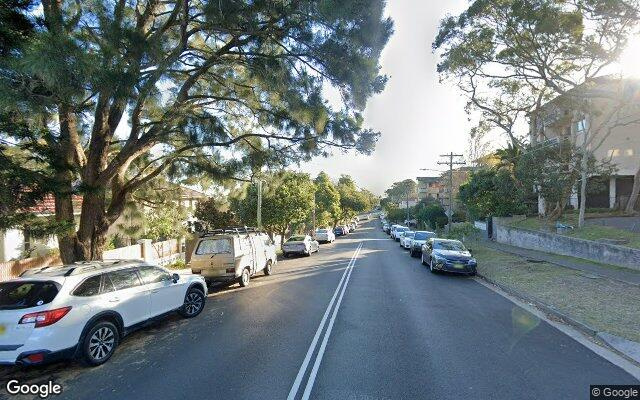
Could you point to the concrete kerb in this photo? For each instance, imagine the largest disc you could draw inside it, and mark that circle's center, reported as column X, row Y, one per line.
column 625, row 348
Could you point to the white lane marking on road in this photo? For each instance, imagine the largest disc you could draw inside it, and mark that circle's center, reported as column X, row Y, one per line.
column 325, row 339
column 314, row 342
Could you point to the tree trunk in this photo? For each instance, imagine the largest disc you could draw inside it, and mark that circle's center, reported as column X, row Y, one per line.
column 584, row 164
column 64, row 214
column 633, row 198
column 92, row 232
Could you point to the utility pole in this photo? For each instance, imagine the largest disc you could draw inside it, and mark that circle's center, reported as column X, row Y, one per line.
column 451, row 163
column 406, row 192
column 259, row 210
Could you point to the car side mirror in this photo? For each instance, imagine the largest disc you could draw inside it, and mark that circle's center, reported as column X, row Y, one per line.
column 175, row 278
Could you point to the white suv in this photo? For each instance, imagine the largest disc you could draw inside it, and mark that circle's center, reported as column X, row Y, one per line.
column 85, row 309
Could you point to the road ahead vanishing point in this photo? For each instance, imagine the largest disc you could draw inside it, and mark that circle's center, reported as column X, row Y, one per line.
column 361, row 319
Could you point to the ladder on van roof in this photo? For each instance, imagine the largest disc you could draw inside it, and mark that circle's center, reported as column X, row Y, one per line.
column 232, row 230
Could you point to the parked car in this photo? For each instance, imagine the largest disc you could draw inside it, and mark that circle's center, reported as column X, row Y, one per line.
column 448, row 255
column 300, row 244
column 346, row 229
column 395, row 232
column 405, row 239
column 339, row 231
column 324, row 235
column 418, row 240
column 233, row 254
column 352, row 227
column 385, row 227
column 84, row 310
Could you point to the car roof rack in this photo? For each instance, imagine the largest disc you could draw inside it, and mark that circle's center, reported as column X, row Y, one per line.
column 232, row 230
column 78, row 267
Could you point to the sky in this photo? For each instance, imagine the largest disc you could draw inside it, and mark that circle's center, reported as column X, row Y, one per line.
column 419, row 118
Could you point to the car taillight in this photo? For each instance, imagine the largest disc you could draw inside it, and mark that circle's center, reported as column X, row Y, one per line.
column 44, row 318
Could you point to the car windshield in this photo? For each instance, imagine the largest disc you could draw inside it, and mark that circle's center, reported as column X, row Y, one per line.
column 422, row 235
column 214, row 246
column 401, row 229
column 449, row 245
column 296, row 238
column 26, row 294
column 321, row 231
column 409, row 234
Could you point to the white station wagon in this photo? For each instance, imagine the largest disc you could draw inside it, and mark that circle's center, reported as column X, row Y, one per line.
column 84, row 310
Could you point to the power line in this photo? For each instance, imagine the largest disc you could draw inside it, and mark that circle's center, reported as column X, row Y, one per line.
column 451, row 163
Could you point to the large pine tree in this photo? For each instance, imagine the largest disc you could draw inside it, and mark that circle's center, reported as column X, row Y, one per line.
column 108, row 95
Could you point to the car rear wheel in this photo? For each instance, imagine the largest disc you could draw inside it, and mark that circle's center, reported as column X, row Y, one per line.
column 245, row 277
column 193, row 303
column 268, row 268
column 100, row 343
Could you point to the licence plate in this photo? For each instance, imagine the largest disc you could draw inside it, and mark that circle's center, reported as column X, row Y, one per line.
column 458, row 266
column 3, row 329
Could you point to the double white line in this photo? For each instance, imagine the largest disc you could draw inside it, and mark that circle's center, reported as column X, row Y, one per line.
column 342, row 285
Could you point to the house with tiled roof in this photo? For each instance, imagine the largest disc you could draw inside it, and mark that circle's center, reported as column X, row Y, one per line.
column 17, row 243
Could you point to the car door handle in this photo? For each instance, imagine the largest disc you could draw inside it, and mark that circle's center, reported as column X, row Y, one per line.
column 114, row 300
column 155, row 291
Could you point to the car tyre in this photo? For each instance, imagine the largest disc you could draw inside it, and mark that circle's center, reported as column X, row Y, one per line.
column 433, row 271
column 245, row 278
column 100, row 343
column 193, row 303
column 268, row 268
column 472, row 273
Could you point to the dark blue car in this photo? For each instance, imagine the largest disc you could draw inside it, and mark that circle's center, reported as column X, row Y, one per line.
column 448, row 255
column 338, row 231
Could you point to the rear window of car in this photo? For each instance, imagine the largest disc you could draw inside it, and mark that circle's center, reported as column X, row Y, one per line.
column 401, row 229
column 409, row 235
column 26, row 294
column 214, row 246
column 297, row 238
column 321, row 231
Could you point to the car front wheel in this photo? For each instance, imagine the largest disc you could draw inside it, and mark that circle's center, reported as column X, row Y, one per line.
column 193, row 303
column 433, row 271
column 100, row 343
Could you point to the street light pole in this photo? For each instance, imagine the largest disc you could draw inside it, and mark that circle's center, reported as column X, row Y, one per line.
column 259, row 207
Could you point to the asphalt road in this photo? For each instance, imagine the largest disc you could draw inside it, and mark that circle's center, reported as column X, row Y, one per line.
column 358, row 320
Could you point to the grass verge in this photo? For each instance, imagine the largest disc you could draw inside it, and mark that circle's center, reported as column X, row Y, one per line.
column 603, row 304
column 589, row 232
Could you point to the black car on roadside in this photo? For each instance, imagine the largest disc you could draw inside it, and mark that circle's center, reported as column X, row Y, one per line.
column 448, row 255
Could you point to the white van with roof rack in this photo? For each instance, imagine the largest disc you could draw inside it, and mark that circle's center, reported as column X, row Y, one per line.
column 85, row 309
column 233, row 254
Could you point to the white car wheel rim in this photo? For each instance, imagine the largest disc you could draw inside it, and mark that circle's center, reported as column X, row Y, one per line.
column 193, row 303
column 101, row 343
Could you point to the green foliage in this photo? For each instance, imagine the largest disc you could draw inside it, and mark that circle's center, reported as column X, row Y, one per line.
column 431, row 214
column 462, row 231
column 164, row 223
column 493, row 192
column 400, row 191
column 287, row 199
column 352, row 199
column 396, row 215
column 178, row 264
column 212, row 214
column 222, row 88
column 327, row 198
